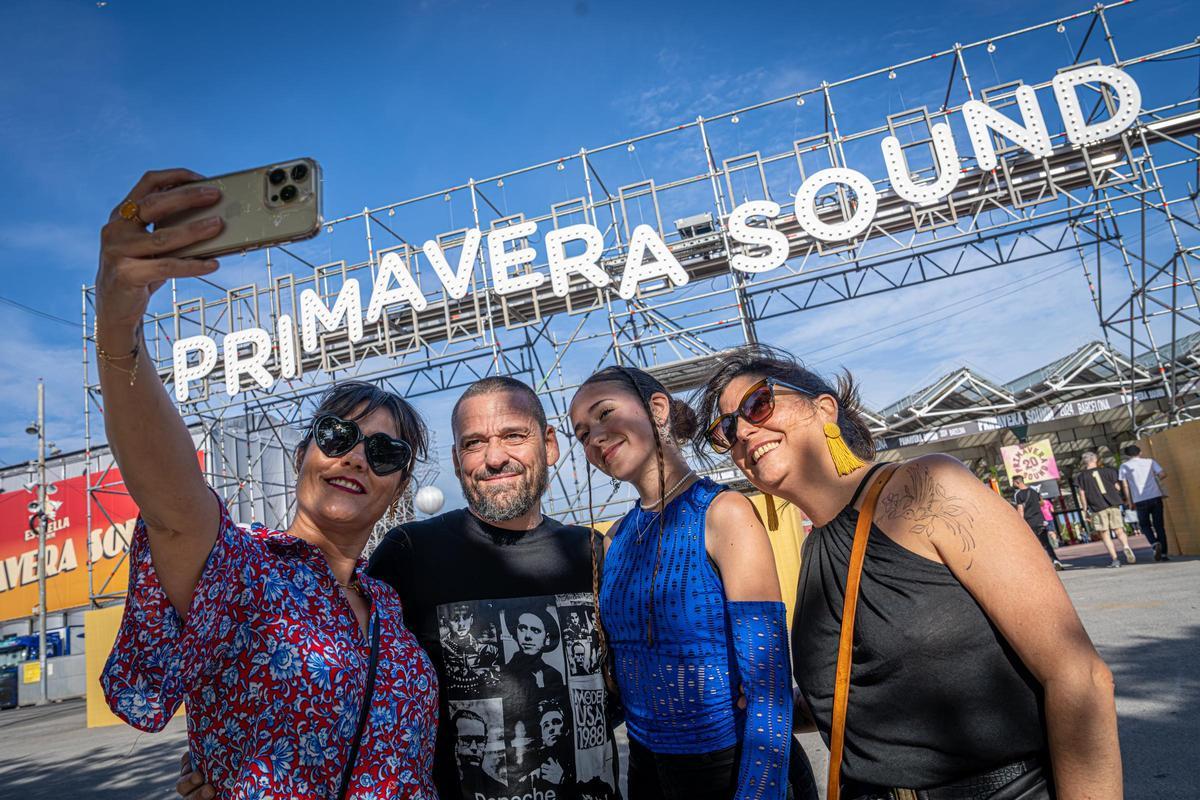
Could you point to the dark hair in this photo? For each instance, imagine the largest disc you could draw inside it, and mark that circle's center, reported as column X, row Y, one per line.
column 502, row 383
column 466, row 713
column 549, row 704
column 681, row 424
column 343, row 398
column 513, row 615
column 681, row 419
column 1132, row 451
column 765, row 361
column 1018, row 479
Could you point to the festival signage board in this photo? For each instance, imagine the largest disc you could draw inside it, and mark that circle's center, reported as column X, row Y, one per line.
column 113, row 517
column 1033, row 460
column 256, row 357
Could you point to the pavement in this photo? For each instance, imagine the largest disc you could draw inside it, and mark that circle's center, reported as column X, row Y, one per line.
column 1144, row 619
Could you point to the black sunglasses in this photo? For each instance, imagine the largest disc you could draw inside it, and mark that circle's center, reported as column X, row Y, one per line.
column 336, row 437
column 757, row 406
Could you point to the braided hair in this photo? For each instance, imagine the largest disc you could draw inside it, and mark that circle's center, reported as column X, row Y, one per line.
column 681, row 426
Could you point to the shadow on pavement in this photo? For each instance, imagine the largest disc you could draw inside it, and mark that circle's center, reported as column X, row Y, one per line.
column 50, row 754
column 1158, row 699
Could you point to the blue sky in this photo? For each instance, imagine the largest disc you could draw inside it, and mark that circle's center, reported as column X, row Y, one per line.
column 398, row 99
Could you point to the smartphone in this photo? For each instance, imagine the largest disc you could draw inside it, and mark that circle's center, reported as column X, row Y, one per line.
column 261, row 207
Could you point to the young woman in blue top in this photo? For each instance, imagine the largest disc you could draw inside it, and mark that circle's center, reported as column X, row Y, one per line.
column 690, row 604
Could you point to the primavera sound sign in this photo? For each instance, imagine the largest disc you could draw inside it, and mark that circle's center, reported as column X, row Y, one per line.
column 248, row 351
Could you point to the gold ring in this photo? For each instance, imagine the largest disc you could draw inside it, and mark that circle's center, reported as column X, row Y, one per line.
column 129, row 210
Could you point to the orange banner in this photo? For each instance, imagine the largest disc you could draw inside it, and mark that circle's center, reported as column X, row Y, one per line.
column 113, row 516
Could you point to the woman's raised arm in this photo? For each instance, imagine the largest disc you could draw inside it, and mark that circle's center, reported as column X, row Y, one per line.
column 147, row 435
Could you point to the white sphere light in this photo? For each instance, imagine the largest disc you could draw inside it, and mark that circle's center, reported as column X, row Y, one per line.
column 429, row 500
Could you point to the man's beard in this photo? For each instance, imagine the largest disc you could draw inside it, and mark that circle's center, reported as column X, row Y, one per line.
column 507, row 503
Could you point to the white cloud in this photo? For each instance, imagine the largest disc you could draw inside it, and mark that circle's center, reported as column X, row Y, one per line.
column 25, row 357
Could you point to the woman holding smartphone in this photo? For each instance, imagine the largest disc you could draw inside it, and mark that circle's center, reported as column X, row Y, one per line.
column 690, row 604
column 299, row 675
column 972, row 676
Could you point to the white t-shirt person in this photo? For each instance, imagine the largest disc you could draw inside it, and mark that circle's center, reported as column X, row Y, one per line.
column 1141, row 476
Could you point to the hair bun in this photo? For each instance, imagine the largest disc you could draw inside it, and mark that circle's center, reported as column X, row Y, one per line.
column 683, row 421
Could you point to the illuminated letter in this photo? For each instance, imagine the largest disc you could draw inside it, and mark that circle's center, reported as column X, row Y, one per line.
column 1078, row 131
column 392, row 265
column 312, row 310
column 562, row 265
column 663, row 263
column 806, row 196
column 285, row 334
column 775, row 241
column 207, row 349
column 946, row 162
column 455, row 282
column 254, row 365
column 500, row 260
column 980, row 118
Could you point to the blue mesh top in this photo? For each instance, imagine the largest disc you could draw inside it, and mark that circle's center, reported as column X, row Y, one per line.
column 679, row 694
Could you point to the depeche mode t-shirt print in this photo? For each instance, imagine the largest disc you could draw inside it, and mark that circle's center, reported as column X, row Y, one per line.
column 508, row 619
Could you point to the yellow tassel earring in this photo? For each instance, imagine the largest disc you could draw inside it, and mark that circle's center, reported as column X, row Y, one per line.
column 772, row 513
column 844, row 460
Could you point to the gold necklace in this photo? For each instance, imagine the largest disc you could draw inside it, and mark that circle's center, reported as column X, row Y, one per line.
column 353, row 585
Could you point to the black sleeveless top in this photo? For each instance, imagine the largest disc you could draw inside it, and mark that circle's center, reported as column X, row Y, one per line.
column 936, row 694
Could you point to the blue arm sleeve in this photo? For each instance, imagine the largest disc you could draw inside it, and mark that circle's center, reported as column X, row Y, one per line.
column 759, row 631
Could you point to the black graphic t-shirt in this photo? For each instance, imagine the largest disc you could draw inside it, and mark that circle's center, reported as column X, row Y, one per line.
column 1101, row 488
column 509, row 620
column 1030, row 503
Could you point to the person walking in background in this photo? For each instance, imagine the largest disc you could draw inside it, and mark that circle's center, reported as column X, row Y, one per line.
column 1048, row 518
column 1143, row 485
column 1029, row 503
column 1100, row 494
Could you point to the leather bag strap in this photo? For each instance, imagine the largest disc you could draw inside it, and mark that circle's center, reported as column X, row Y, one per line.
column 363, row 712
column 841, row 688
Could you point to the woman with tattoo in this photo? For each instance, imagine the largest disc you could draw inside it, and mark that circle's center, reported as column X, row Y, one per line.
column 972, row 675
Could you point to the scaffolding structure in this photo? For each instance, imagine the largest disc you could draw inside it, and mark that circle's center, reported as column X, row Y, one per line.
column 1124, row 209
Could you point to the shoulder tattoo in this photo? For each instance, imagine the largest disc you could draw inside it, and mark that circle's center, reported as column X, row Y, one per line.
column 930, row 509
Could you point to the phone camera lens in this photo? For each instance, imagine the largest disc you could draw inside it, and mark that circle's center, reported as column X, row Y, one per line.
column 277, row 177
column 299, row 172
column 288, row 193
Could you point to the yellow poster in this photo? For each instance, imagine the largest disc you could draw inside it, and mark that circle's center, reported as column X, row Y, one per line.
column 1033, row 460
column 31, row 672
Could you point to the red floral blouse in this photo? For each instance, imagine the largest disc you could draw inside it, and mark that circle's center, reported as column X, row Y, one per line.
column 273, row 665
